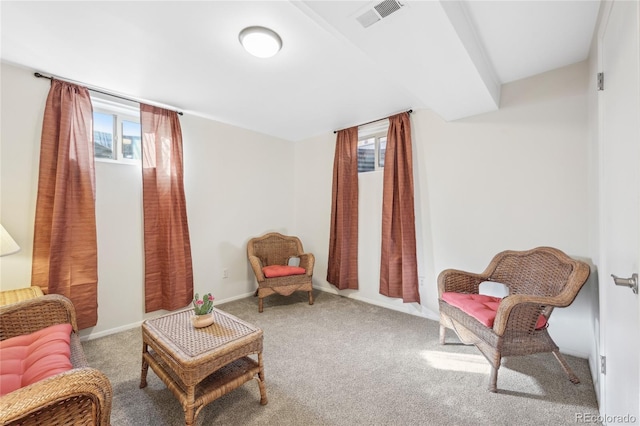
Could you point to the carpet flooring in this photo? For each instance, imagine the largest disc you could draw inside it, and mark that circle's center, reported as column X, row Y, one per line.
column 345, row 362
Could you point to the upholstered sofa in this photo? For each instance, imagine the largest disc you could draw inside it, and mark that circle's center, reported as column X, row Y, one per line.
column 75, row 394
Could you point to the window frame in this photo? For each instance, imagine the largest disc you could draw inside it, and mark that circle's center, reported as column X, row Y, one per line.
column 377, row 131
column 129, row 111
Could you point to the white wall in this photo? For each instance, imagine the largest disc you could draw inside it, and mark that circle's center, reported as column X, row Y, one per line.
column 238, row 184
column 21, row 125
column 511, row 179
column 516, row 178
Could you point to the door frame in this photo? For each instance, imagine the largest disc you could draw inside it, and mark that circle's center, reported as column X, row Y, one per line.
column 605, row 283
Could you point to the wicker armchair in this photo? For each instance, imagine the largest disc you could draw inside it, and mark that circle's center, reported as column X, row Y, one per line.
column 19, row 294
column 80, row 396
column 538, row 280
column 276, row 249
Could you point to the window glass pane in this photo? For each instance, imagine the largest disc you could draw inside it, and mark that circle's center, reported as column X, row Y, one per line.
column 103, row 126
column 366, row 155
column 383, row 150
column 131, row 136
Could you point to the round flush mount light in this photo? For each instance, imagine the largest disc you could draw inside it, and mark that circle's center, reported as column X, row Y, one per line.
column 260, row 41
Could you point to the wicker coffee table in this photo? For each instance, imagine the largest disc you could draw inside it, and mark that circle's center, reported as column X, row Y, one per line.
column 200, row 365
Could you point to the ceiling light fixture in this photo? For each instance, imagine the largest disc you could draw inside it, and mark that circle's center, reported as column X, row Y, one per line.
column 260, row 41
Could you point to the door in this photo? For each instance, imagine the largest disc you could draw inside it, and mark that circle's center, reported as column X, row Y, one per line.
column 620, row 211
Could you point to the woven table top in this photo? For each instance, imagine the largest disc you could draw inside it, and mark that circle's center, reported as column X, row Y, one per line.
column 176, row 331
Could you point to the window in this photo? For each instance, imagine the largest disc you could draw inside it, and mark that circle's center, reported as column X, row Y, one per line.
column 372, row 145
column 131, row 139
column 117, row 134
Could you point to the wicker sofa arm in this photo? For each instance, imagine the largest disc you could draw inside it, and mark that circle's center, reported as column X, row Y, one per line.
column 256, row 265
column 31, row 315
column 459, row 281
column 78, row 396
column 307, row 261
column 507, row 306
column 565, row 298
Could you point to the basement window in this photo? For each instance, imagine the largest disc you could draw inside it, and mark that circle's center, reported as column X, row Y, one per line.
column 372, row 146
column 117, row 135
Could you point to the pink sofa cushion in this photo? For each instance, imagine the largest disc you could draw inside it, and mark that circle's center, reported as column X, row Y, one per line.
column 480, row 306
column 273, row 271
column 33, row 357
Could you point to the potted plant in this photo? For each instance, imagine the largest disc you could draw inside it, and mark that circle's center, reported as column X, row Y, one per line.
column 202, row 309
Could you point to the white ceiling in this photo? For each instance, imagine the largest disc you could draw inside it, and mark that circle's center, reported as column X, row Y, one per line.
column 331, row 73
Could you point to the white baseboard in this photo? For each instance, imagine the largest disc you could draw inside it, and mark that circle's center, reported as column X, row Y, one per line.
column 126, row 327
column 406, row 308
column 231, row 299
column 108, row 332
column 577, row 354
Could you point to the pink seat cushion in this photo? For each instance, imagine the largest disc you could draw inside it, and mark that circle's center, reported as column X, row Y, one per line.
column 33, row 357
column 481, row 307
column 273, row 271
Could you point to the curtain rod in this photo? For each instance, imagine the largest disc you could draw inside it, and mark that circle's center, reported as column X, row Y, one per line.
column 37, row 74
column 409, row 111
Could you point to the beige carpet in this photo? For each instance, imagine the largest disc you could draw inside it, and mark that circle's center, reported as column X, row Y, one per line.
column 344, row 362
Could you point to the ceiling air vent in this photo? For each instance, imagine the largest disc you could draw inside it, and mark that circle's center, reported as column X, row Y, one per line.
column 387, row 7
column 379, row 11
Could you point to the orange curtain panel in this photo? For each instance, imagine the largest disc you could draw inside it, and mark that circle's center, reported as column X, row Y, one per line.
column 65, row 247
column 167, row 248
column 342, row 270
column 398, row 263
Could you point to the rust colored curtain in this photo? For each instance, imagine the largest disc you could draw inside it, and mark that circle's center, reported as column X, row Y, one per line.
column 167, row 248
column 342, row 270
column 65, row 246
column 398, row 263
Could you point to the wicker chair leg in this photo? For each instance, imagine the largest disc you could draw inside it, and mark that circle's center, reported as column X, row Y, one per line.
column 442, row 333
column 259, row 304
column 568, row 371
column 311, row 297
column 493, row 379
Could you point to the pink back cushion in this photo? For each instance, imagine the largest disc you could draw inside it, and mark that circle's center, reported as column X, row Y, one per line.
column 482, row 307
column 273, row 271
column 33, row 357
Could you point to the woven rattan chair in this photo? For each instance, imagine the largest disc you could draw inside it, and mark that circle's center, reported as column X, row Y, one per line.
column 80, row 396
column 538, row 280
column 16, row 295
column 274, row 249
